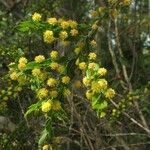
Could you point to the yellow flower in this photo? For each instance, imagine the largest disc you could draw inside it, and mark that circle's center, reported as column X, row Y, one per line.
column 72, row 24
column 54, row 54
column 94, row 13
column 101, row 9
column 56, row 105
column 54, row 66
column 36, row 72
column 46, row 106
column 86, row 81
column 95, row 87
column 54, row 94
column 63, row 35
column 77, row 84
column 66, row 92
column 94, row 26
column 126, row 2
column 82, row 65
column 92, row 56
column 102, row 84
column 45, row 147
column 110, row 93
column 14, row 76
column 61, row 69
column 89, row 95
column 102, row 71
column 23, row 60
column 64, row 24
column 21, row 66
column 74, row 32
column 36, row 17
column 39, row 59
column 48, row 36
column 51, row 82
column 93, row 43
column 65, row 79
column 52, row 21
column 77, row 50
column 42, row 93
column 92, row 66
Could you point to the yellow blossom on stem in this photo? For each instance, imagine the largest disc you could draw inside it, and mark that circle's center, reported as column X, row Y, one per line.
column 77, row 50
column 54, row 66
column 39, row 59
column 54, row 55
column 48, row 36
column 36, row 72
column 46, row 106
column 94, row 13
column 64, row 24
column 51, row 82
column 23, row 60
column 52, row 21
column 72, row 24
column 82, row 65
column 61, row 69
column 56, row 105
column 94, row 26
column 63, row 35
column 65, row 79
column 54, row 94
column 36, row 17
column 92, row 66
column 102, row 84
column 74, row 32
column 14, row 76
column 92, row 56
column 42, row 93
column 110, row 93
column 93, row 43
column 86, row 81
column 45, row 147
column 102, row 71
column 21, row 66
column 88, row 95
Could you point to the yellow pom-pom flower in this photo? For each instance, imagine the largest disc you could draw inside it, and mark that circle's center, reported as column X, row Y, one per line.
column 88, row 95
column 46, row 106
column 51, row 82
column 36, row 72
column 65, row 79
column 54, row 55
column 23, row 60
column 42, row 93
column 126, row 2
column 61, row 69
column 52, row 21
column 77, row 50
column 94, row 13
column 14, row 76
column 54, row 66
column 93, row 43
column 74, row 32
column 64, row 24
column 102, row 71
column 86, row 81
column 54, row 94
column 45, row 147
column 92, row 66
column 21, row 66
column 56, row 105
column 63, row 35
column 39, row 59
column 94, row 26
column 73, row 24
column 48, row 36
column 36, row 17
column 92, row 56
column 82, row 65
column 110, row 93
column 102, row 84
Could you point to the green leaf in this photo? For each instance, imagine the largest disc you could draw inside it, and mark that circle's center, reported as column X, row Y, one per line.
column 32, row 108
column 43, row 137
